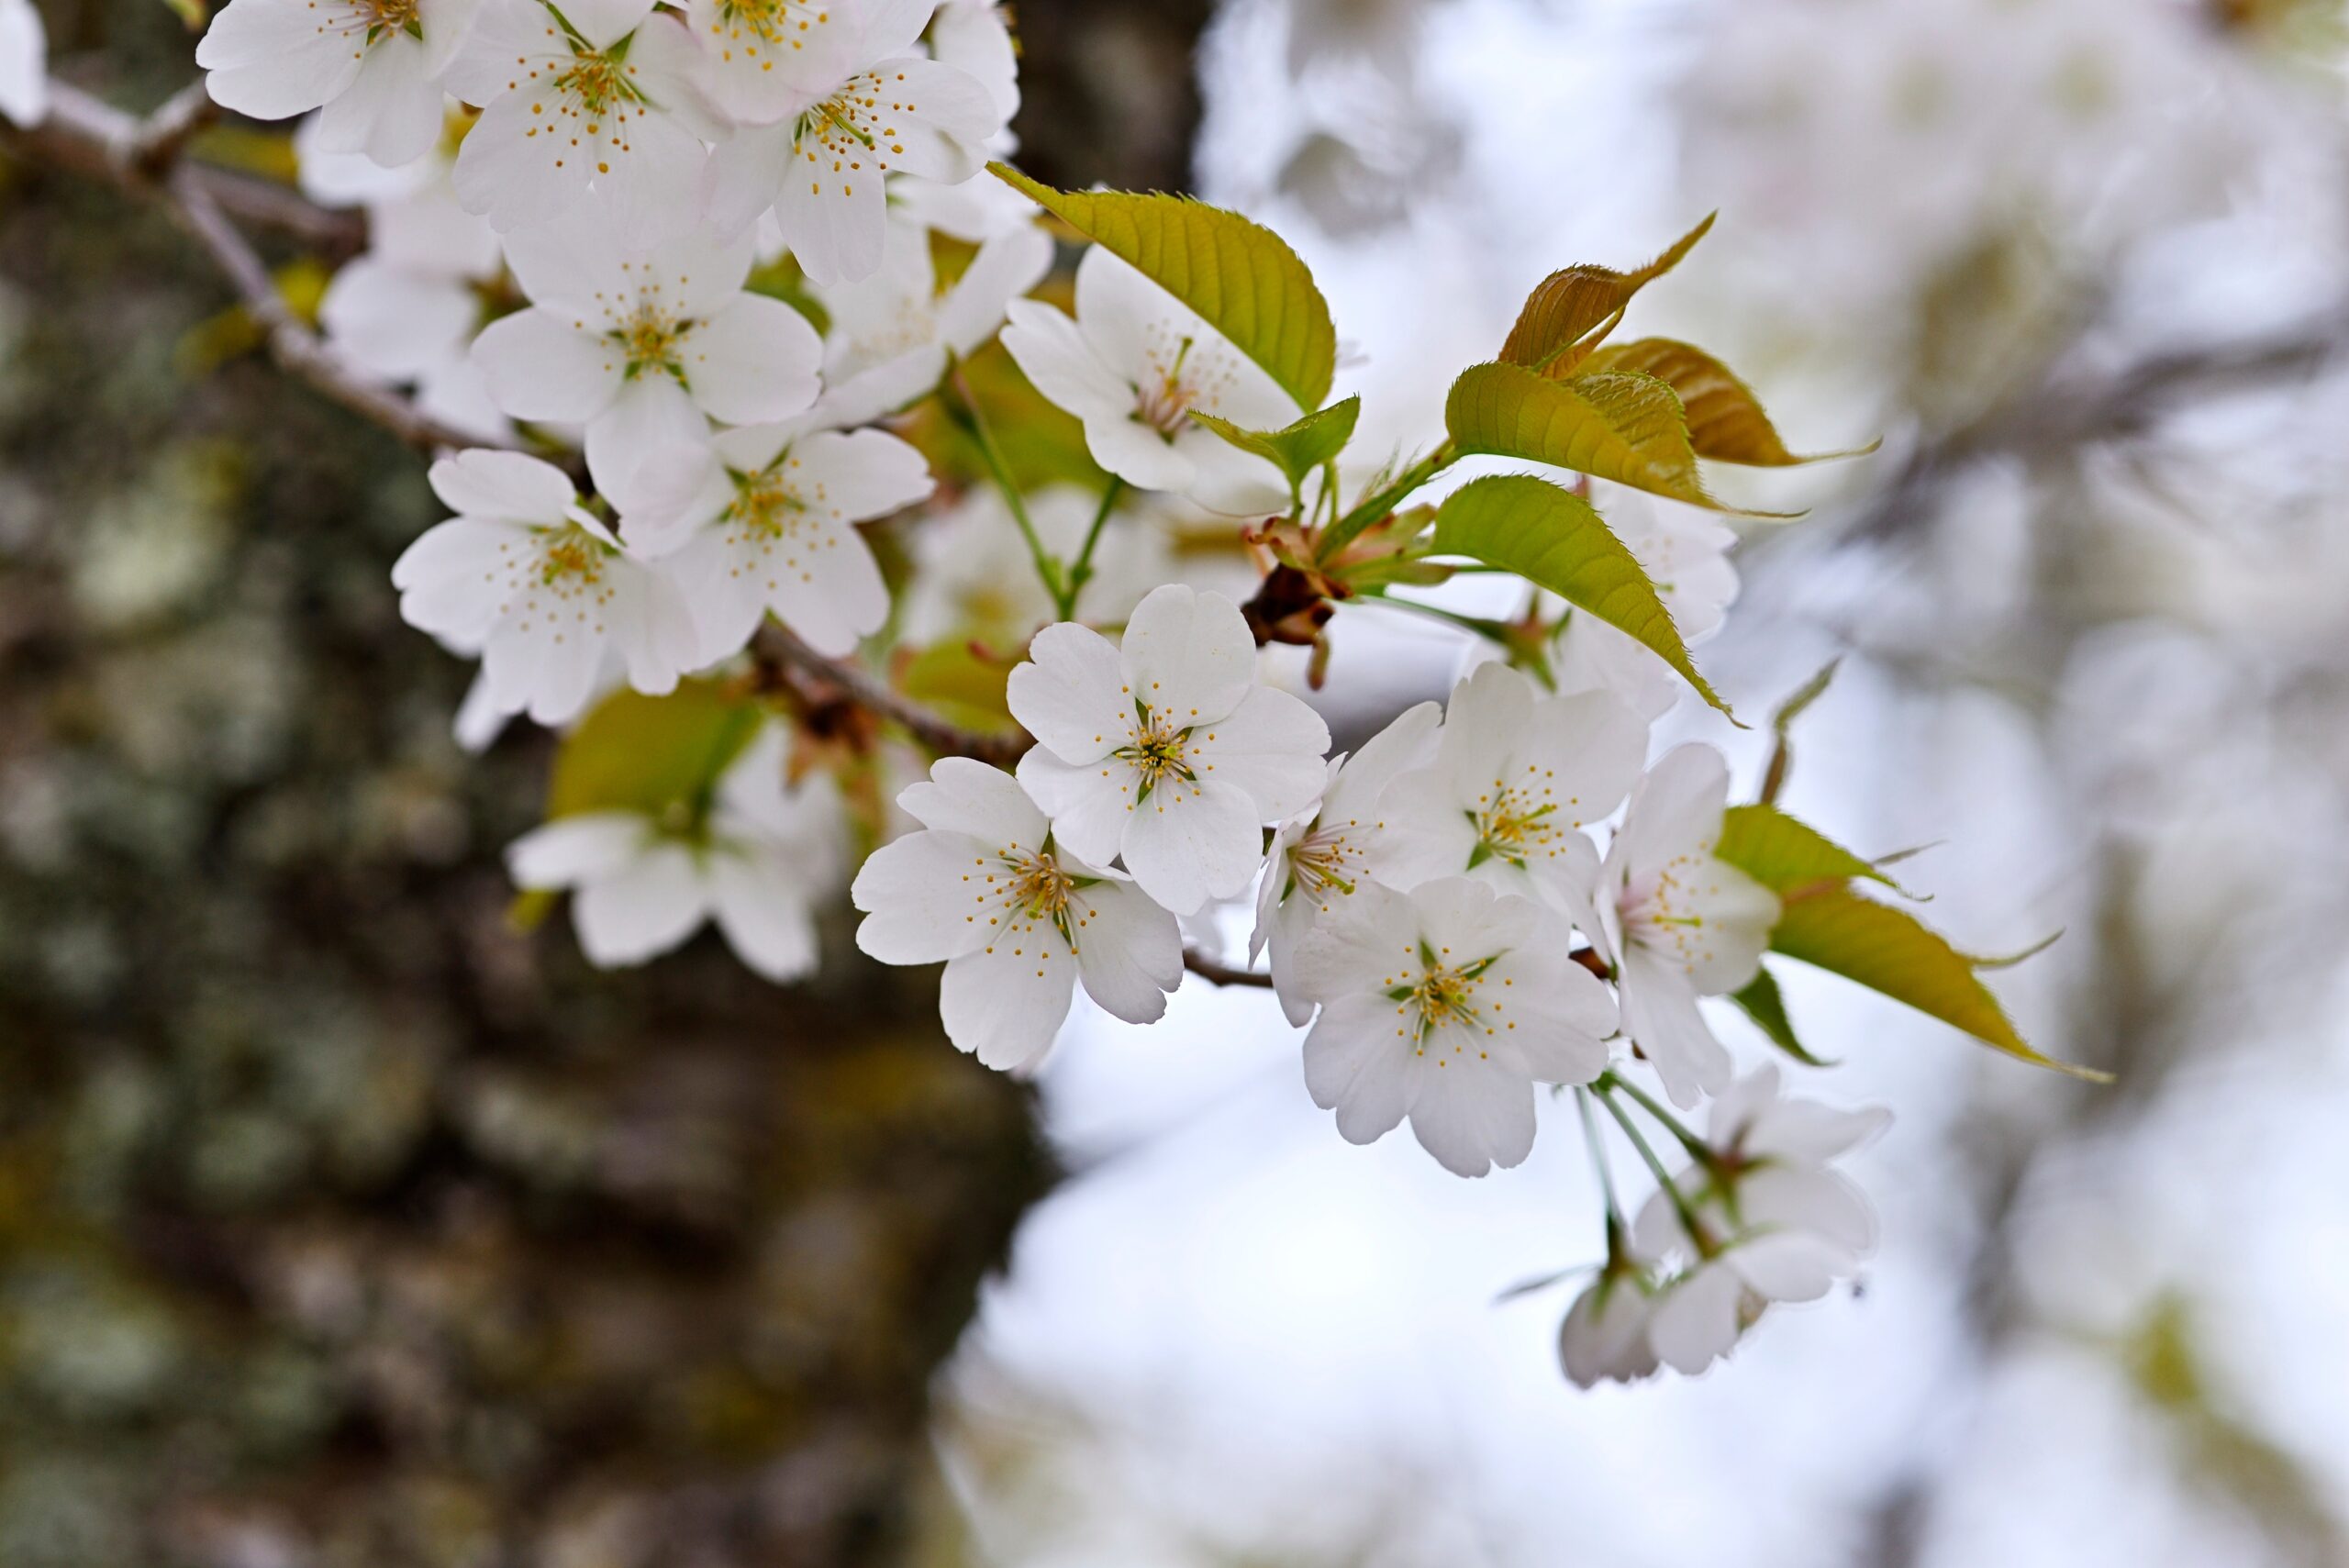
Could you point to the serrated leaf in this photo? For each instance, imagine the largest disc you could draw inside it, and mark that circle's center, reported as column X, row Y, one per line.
column 1619, row 426
column 1889, row 952
column 1240, row 276
column 1725, row 419
column 1573, row 309
column 1786, row 855
column 1555, row 539
column 1299, row 448
column 649, row 754
column 1762, row 1002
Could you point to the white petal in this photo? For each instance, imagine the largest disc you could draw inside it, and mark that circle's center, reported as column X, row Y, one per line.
column 1089, row 803
column 391, row 111
column 970, row 797
column 1679, row 806
column 574, row 849
column 1809, row 1199
column 604, row 23
column 764, row 919
column 1055, row 355
column 1006, row 267
column 1071, row 693
column 753, row 362
column 1471, row 1115
column 1695, row 1322
column 512, row 172
column 862, row 476
column 644, row 911
column 650, row 426
column 1787, row 1266
column 1272, row 747
column 1605, row 1335
column 1660, row 1012
column 1190, row 656
column 484, row 482
column 542, row 367
column 1004, row 1006
column 1128, row 950
column 837, row 222
column 23, row 63
column 1358, row 1065
column 396, row 323
column 917, row 896
column 1188, row 843
column 826, row 587
column 1358, row 946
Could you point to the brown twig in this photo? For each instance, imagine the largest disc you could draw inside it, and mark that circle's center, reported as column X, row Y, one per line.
column 777, row 644
column 1218, row 973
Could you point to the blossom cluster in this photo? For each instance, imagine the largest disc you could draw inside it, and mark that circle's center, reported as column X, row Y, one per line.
column 677, row 269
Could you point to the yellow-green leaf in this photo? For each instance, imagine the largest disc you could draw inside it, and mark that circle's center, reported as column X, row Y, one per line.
column 1240, row 276
column 964, row 689
column 1888, row 950
column 1299, row 448
column 1573, row 309
column 1725, row 419
column 1762, row 1002
column 1784, row 854
column 1555, row 539
column 1621, row 426
column 640, row 754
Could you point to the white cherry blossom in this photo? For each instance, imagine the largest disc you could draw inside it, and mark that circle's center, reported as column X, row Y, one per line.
column 1134, row 364
column 822, row 166
column 1515, row 777
column 1676, row 922
column 1018, row 921
column 645, row 349
column 974, row 577
column 1323, row 856
column 1605, row 1334
column 773, row 528
column 756, row 862
column 23, row 63
column 600, row 110
column 374, row 67
column 891, row 334
column 1165, row 751
column 1447, row 1004
column 974, row 37
column 1686, row 552
column 539, row 589
column 1778, row 1224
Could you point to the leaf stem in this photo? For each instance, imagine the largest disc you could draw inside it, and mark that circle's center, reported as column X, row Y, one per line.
column 964, row 408
column 1081, row 572
column 1698, row 1150
column 1699, row 1233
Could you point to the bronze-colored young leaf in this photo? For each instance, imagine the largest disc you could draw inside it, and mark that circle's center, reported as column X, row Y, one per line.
column 1299, row 448
column 1556, row 540
column 1725, row 419
column 1241, row 277
column 1619, row 426
column 648, row 754
column 1889, row 952
column 1573, row 309
column 1785, row 855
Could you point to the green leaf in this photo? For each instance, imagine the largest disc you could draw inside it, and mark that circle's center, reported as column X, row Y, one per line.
column 650, row 754
column 1888, row 950
column 1725, row 419
column 1241, row 277
column 1762, row 1002
column 1629, row 428
column 1782, row 754
column 963, row 687
column 1301, row 448
column 1555, row 539
column 1785, row 855
column 1574, row 308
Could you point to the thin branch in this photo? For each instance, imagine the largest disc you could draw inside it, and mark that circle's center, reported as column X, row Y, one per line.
column 777, row 644
column 1210, row 970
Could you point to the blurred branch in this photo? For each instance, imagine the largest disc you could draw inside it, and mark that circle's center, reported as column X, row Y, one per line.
column 1210, row 970
column 777, row 646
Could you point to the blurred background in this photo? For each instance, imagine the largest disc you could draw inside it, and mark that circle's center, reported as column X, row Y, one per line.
column 342, row 1224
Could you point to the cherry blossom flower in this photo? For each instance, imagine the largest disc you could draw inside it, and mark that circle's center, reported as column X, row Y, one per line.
column 974, row 37
column 1324, row 855
column 23, row 63
column 1676, row 922
column 756, row 860
column 822, row 167
column 1166, row 750
column 645, row 349
column 374, row 65
column 1604, row 1336
column 891, row 334
column 1515, row 778
column 1685, row 552
column 1134, row 364
column 1422, row 998
column 974, row 577
column 1776, row 1224
column 526, row 578
column 1016, row 920
column 773, row 528
column 597, row 110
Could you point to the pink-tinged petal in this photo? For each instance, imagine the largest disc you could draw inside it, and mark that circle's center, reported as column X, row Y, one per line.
column 575, row 850
column 764, row 919
column 918, row 896
column 1004, row 1005
column 1089, row 803
column 1071, row 694
column 753, row 362
column 1128, row 950
column 1187, row 843
column 1272, row 747
column 1190, row 656
column 972, row 799
column 641, row 911
column 539, row 366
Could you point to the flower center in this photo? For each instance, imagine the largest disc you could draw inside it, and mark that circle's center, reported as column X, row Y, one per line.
column 382, row 18
column 850, row 128
column 773, row 22
column 1318, row 861
column 764, row 503
column 1444, row 997
column 1654, row 909
column 650, row 338
column 572, row 554
column 1165, row 407
column 598, row 83
column 1514, row 823
column 1156, row 749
